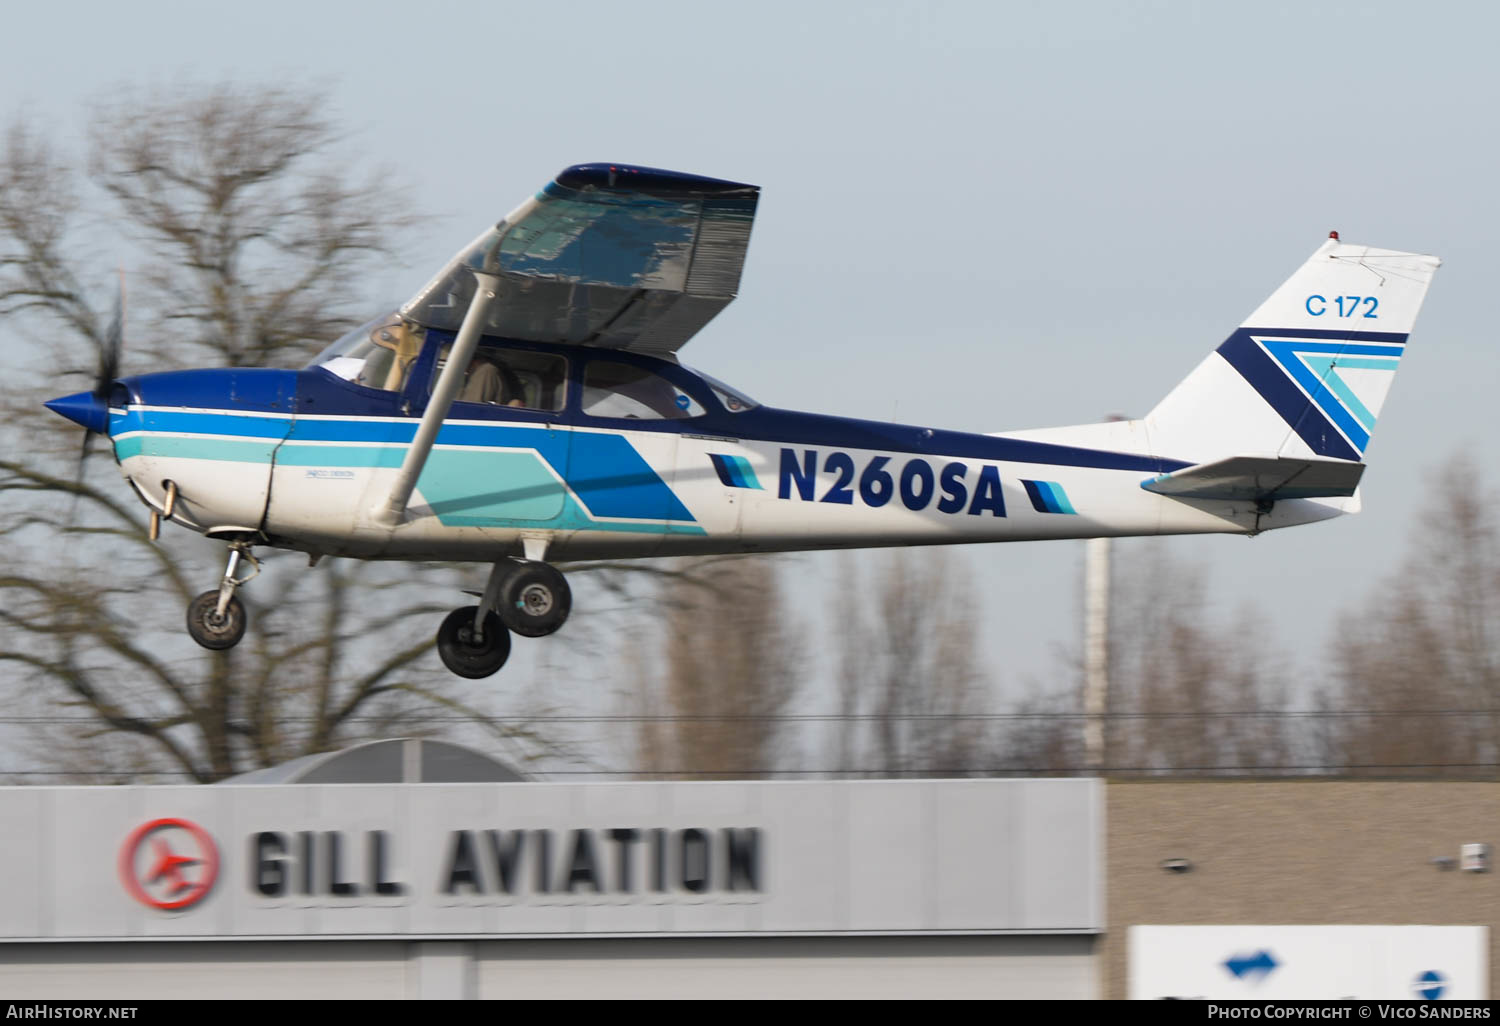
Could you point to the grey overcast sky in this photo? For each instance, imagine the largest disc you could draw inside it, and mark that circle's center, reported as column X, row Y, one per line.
column 974, row 215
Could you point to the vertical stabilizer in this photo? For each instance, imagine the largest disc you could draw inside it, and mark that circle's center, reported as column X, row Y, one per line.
column 1307, row 373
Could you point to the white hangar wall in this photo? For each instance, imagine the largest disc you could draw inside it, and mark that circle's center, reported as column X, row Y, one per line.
column 989, row 888
column 1010, row 966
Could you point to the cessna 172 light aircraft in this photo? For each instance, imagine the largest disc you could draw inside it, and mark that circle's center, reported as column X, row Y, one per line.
column 527, row 407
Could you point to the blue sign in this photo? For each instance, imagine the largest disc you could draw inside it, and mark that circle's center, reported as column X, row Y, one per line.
column 1430, row 985
column 1257, row 966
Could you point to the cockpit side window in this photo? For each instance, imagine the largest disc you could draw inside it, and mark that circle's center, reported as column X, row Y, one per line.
column 733, row 399
column 613, row 389
column 378, row 354
column 512, row 377
column 734, row 402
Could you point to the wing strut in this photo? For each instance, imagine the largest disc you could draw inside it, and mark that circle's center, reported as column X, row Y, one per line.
column 391, row 512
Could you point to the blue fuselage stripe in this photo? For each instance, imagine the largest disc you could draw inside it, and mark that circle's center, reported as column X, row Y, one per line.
column 1034, row 493
column 764, row 425
column 355, row 416
column 1048, row 497
column 812, row 430
column 1057, row 498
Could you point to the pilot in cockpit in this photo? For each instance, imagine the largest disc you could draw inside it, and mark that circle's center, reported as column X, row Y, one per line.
column 491, row 381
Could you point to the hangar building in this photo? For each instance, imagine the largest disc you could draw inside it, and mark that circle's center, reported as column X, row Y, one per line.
column 422, row 869
column 289, row 883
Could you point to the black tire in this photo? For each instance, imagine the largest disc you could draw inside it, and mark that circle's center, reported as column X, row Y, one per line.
column 209, row 630
column 535, row 600
column 456, row 647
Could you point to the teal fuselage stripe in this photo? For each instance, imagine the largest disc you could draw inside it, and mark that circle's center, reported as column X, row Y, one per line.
column 604, row 470
column 233, row 450
column 1058, row 498
column 743, row 473
column 533, row 481
column 379, row 456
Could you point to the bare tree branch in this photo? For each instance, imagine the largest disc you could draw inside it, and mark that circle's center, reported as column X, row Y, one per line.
column 257, row 227
column 723, row 687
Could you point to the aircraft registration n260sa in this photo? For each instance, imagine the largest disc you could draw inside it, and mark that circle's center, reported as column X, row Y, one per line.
column 527, row 407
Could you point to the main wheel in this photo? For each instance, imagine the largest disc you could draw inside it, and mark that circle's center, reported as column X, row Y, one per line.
column 459, row 651
column 211, row 630
column 535, row 600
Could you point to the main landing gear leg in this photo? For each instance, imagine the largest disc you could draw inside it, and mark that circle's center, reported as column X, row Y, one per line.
column 523, row 596
column 216, row 619
column 472, row 641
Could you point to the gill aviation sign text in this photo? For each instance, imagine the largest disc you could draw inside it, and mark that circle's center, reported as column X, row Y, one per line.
column 532, row 863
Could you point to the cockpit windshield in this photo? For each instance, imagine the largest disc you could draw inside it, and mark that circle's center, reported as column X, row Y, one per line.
column 377, row 354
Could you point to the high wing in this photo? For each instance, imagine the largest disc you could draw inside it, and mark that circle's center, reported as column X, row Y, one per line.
column 605, row 255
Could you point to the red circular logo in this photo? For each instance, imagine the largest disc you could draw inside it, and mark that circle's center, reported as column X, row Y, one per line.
column 169, row 863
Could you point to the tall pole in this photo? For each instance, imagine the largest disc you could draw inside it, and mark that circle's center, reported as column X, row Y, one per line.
column 1096, row 650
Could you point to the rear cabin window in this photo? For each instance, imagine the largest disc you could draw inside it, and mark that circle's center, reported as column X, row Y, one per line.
column 620, row 390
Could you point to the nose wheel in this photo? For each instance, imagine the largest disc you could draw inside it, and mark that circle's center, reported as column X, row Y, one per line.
column 213, row 628
column 216, row 619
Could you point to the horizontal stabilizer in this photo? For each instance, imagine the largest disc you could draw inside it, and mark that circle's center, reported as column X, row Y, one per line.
column 1262, row 478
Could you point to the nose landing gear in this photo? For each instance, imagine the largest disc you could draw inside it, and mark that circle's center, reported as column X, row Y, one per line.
column 525, row 597
column 216, row 619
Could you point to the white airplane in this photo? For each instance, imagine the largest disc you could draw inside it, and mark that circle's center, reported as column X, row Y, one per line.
column 527, row 407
